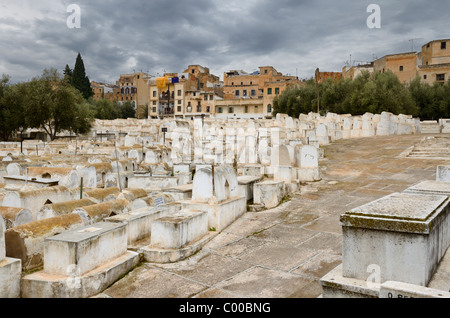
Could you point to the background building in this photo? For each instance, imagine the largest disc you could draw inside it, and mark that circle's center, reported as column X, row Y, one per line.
column 434, row 61
column 188, row 94
column 251, row 95
column 404, row 65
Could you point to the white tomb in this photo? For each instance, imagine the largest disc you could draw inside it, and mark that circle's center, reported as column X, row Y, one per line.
column 10, row 269
column 81, row 263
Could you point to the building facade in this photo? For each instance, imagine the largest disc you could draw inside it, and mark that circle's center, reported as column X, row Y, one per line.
column 192, row 93
column 251, row 95
column 351, row 72
column 130, row 87
column 404, row 65
column 434, row 62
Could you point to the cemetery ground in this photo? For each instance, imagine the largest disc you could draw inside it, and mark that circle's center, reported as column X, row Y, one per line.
column 283, row 252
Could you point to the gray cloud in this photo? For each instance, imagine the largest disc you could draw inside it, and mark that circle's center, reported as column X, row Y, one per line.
column 294, row 36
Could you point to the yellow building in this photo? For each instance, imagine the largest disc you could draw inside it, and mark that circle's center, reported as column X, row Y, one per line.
column 251, row 95
column 356, row 70
column 192, row 93
column 404, row 65
column 130, row 87
column 434, row 61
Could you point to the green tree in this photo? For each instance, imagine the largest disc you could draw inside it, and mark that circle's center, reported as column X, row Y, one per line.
column 79, row 79
column 105, row 109
column 372, row 93
column 127, row 110
column 54, row 106
column 68, row 74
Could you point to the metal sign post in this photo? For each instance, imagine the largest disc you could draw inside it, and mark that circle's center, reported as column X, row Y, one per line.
column 164, row 130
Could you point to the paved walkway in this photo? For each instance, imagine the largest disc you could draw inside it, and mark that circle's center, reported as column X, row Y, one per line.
column 282, row 253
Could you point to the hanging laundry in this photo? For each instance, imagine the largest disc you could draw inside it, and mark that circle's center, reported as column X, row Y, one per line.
column 161, row 82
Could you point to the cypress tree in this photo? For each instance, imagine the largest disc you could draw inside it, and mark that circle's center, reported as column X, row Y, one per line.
column 79, row 79
column 68, row 74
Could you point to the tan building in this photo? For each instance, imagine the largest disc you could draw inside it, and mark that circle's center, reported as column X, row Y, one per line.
column 355, row 71
column 404, row 65
column 435, row 52
column 192, row 93
column 251, row 95
column 104, row 91
column 129, row 87
column 434, row 62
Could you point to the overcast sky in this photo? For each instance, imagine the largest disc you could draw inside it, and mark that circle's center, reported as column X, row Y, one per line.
column 294, row 36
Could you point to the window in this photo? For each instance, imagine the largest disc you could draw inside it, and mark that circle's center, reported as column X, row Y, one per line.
column 244, row 93
column 201, row 85
column 179, row 102
column 401, row 68
column 154, row 102
column 205, row 97
column 199, row 108
column 277, row 91
column 261, row 92
column 440, row 77
column 154, row 93
column 211, row 97
column 220, row 110
column 269, row 108
column 179, row 108
column 154, row 109
column 246, row 109
column 269, row 91
column 230, row 110
column 208, row 109
column 424, row 77
column 179, row 92
column 443, row 45
column 236, row 93
column 253, row 92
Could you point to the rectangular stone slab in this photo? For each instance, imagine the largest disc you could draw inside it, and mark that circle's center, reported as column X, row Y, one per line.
column 404, row 235
column 430, row 187
column 398, row 212
column 78, row 251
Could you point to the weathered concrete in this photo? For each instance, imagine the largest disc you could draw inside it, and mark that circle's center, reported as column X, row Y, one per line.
column 10, row 269
column 285, row 251
column 26, row 242
column 81, row 262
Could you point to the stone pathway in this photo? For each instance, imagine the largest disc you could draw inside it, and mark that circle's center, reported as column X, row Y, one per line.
column 282, row 253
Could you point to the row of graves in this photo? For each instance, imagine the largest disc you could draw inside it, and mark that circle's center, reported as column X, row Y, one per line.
column 77, row 214
column 395, row 247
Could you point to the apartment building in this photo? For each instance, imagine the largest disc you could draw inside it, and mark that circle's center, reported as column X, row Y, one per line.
column 404, row 65
column 129, row 87
column 351, row 72
column 250, row 95
column 434, row 61
column 191, row 93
